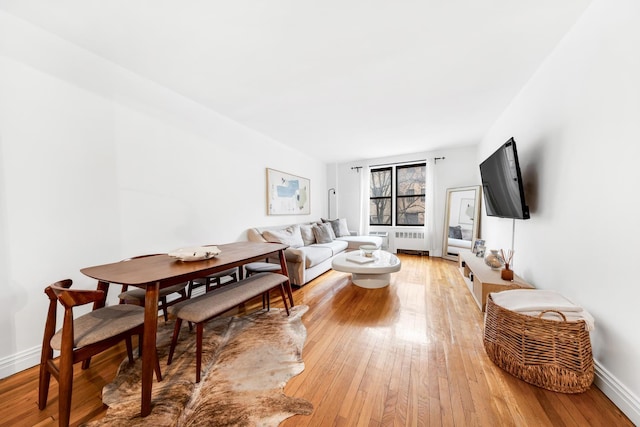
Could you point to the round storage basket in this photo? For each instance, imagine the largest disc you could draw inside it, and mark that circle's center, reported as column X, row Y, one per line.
column 552, row 354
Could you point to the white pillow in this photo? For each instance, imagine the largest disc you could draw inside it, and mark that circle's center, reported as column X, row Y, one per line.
column 287, row 236
column 339, row 226
column 306, row 230
column 323, row 233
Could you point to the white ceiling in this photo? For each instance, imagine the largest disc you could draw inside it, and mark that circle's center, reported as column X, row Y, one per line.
column 338, row 79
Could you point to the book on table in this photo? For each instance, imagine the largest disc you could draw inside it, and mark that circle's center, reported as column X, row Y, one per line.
column 360, row 259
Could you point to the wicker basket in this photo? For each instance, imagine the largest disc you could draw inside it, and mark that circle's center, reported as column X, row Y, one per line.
column 555, row 355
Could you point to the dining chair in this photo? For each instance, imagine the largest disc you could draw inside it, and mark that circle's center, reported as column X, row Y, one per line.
column 81, row 338
column 213, row 280
column 137, row 295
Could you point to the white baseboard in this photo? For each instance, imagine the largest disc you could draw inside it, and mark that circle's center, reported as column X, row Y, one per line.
column 624, row 399
column 19, row 362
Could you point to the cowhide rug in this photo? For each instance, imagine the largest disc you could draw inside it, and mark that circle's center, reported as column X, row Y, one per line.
column 246, row 362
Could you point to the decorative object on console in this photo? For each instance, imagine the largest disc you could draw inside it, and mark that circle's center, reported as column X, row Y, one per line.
column 493, row 260
column 287, row 194
column 476, row 244
column 480, row 251
column 506, row 273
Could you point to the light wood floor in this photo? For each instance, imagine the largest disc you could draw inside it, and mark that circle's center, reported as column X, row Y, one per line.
column 410, row 354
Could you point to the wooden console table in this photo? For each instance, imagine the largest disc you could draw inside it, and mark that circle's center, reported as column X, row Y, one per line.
column 482, row 280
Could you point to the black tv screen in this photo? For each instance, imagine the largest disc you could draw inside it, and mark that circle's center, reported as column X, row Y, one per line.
column 502, row 183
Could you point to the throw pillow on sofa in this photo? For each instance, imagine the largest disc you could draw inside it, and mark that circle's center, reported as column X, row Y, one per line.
column 307, row 234
column 455, row 232
column 339, row 226
column 323, row 233
column 287, row 236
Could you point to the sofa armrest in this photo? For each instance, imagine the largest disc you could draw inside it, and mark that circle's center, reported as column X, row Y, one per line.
column 295, row 255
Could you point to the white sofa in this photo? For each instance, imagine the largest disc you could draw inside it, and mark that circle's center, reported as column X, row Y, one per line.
column 306, row 258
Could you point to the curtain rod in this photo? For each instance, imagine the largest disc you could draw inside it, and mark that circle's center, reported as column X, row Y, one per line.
column 398, row 163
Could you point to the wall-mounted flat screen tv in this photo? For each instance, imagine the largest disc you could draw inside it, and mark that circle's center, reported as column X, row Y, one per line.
column 502, row 183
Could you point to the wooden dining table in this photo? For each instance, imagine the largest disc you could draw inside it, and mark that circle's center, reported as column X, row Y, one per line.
column 155, row 272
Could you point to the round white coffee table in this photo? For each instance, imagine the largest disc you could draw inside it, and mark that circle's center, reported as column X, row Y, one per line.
column 367, row 273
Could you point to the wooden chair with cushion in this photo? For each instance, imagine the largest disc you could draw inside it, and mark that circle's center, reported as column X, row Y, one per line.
column 261, row 267
column 136, row 295
column 81, row 338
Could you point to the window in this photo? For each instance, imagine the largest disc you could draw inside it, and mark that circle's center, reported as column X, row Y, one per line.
column 410, row 193
column 409, row 208
column 380, row 197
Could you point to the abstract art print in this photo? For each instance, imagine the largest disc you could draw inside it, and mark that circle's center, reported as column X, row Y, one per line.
column 287, row 194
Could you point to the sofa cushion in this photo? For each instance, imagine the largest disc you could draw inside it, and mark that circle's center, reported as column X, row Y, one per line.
column 306, row 230
column 336, row 246
column 339, row 226
column 323, row 233
column 287, row 236
column 316, row 254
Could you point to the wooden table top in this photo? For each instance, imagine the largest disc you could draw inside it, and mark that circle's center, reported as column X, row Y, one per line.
column 167, row 270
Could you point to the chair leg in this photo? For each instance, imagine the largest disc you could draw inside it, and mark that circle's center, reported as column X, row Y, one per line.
column 163, row 302
column 199, row 333
column 65, row 388
column 45, row 380
column 86, row 363
column 174, row 340
column 189, row 288
column 139, row 345
column 127, row 342
column 158, row 371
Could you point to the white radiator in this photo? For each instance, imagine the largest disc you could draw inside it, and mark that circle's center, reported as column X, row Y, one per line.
column 412, row 240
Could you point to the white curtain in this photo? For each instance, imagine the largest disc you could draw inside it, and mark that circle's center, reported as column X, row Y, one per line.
column 434, row 245
column 363, row 229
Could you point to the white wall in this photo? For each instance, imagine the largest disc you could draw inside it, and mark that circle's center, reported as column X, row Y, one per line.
column 98, row 164
column 577, row 130
column 459, row 168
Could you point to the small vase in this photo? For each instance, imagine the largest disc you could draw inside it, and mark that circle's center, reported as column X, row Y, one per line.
column 506, row 274
column 493, row 260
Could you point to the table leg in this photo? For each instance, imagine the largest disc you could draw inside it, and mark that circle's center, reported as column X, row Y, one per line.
column 149, row 345
column 285, row 271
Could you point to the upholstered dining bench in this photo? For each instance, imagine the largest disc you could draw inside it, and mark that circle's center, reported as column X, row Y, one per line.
column 203, row 308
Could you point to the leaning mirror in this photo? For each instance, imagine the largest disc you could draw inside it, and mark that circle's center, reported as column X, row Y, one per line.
column 461, row 220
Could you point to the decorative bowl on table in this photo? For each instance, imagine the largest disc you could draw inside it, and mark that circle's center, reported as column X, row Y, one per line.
column 368, row 250
column 195, row 253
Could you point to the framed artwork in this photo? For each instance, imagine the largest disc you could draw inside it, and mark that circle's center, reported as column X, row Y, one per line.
column 477, row 244
column 287, row 194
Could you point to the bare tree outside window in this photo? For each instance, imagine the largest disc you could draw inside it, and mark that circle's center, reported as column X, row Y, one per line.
column 410, row 194
column 380, row 197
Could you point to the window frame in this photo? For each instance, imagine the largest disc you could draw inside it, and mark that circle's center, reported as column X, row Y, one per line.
column 389, row 198
column 398, row 196
column 394, row 198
